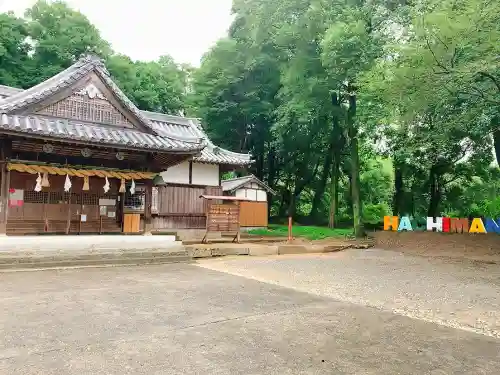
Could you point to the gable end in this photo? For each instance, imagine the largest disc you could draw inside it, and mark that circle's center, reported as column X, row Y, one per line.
column 87, row 104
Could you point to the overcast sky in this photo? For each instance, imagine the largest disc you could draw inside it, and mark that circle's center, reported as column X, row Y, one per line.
column 147, row 29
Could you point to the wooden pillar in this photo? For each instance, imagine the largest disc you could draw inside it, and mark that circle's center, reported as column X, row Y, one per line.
column 148, row 201
column 5, row 152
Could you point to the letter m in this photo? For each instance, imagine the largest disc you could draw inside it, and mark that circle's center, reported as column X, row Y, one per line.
column 459, row 225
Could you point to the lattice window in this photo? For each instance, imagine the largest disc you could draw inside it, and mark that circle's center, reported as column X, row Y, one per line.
column 55, row 197
column 136, row 201
column 35, row 196
column 90, row 199
column 86, row 109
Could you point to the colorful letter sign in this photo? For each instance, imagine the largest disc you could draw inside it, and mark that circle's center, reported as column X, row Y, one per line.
column 445, row 224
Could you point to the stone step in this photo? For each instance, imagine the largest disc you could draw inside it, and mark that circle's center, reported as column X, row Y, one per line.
column 114, row 258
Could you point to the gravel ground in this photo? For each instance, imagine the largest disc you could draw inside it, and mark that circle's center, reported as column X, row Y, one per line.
column 183, row 319
column 450, row 292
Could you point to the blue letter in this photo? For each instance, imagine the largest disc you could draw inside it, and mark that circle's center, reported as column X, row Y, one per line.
column 493, row 226
column 405, row 224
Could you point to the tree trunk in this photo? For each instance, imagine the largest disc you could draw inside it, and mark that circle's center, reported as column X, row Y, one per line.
column 291, row 204
column 338, row 144
column 434, row 192
column 320, row 189
column 271, row 171
column 496, row 144
column 397, row 202
column 334, row 192
column 285, row 193
column 355, row 180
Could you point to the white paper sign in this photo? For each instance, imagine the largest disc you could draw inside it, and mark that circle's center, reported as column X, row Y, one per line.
column 83, row 218
column 107, row 202
column 111, row 214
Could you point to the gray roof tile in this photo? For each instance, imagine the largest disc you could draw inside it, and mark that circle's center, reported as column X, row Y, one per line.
column 191, row 127
column 235, row 183
column 92, row 133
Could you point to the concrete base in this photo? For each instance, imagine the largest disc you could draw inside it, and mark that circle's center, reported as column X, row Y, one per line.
column 190, row 234
column 83, row 243
column 65, row 251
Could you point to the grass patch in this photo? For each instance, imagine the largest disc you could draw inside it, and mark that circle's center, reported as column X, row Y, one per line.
column 309, row 232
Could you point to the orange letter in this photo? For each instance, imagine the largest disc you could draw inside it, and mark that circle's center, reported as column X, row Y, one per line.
column 459, row 225
column 391, row 222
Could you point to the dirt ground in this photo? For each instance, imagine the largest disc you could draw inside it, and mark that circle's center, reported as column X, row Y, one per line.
column 476, row 247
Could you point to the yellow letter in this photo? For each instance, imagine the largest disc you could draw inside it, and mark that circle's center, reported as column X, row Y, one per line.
column 477, row 226
column 391, row 222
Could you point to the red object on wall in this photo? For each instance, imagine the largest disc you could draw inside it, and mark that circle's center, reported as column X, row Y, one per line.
column 446, row 224
column 15, row 203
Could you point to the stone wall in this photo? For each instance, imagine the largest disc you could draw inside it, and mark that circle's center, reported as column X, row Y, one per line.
column 438, row 242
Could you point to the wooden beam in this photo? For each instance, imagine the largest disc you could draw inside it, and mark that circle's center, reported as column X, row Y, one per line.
column 75, row 161
column 190, row 172
column 5, row 152
column 148, row 198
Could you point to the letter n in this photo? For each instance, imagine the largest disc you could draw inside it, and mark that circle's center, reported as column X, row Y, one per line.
column 493, row 226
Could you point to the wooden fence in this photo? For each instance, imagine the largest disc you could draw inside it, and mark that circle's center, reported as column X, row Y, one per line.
column 253, row 214
column 180, row 207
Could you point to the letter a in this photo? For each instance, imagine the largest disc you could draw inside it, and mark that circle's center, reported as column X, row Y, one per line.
column 405, row 224
column 391, row 222
column 477, row 226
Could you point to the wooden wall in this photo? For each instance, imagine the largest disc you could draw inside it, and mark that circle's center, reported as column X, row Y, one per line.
column 253, row 214
column 49, row 210
column 180, row 206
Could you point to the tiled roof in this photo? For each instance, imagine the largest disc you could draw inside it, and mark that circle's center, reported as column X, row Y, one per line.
column 191, row 127
column 235, row 183
column 6, row 91
column 65, row 79
column 92, row 133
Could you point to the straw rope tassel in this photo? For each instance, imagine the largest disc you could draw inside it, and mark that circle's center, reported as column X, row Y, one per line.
column 45, row 180
column 122, row 186
column 86, row 185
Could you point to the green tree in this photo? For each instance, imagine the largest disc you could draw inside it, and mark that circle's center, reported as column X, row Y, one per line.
column 14, row 50
column 60, row 35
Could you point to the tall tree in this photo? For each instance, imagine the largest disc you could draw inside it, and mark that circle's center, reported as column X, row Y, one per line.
column 60, row 35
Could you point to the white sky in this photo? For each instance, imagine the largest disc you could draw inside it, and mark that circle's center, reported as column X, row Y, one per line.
column 147, row 29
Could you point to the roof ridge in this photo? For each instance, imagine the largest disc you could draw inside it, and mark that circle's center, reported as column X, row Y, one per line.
column 33, row 125
column 239, row 178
